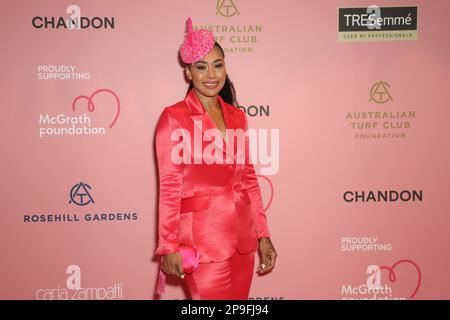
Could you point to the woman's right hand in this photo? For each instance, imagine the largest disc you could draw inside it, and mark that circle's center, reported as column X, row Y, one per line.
column 173, row 264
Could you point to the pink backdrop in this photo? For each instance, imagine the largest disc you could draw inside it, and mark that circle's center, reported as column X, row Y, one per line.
column 295, row 67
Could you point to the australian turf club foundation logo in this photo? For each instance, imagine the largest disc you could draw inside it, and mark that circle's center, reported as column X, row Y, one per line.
column 381, row 119
column 236, row 38
column 400, row 281
column 74, row 291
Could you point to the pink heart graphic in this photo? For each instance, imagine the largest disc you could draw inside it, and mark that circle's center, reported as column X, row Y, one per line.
column 91, row 106
column 271, row 190
column 393, row 278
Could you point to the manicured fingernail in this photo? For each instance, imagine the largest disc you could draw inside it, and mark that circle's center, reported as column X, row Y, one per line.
column 263, row 266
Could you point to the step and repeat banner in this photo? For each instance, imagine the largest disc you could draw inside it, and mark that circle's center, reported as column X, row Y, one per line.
column 348, row 107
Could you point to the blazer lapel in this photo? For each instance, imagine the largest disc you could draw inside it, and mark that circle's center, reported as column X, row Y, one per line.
column 202, row 120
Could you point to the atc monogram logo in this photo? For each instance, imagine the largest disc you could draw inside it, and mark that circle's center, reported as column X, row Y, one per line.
column 80, row 195
column 227, row 8
column 379, row 92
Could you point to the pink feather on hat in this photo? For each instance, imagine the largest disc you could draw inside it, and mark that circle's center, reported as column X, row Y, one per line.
column 197, row 44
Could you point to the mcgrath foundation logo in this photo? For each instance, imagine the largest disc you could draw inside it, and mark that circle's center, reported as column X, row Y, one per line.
column 79, row 194
column 74, row 21
column 53, row 125
column 376, row 275
column 400, row 281
column 74, row 290
column 91, row 106
column 374, row 23
column 379, row 92
column 227, row 8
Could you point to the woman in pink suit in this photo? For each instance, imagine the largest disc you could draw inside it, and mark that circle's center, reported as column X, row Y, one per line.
column 209, row 197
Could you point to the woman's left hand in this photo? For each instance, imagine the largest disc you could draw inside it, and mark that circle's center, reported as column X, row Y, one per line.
column 268, row 255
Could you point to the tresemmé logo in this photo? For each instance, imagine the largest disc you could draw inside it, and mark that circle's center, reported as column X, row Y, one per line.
column 374, row 23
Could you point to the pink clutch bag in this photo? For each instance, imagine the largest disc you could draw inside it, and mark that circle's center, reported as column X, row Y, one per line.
column 190, row 262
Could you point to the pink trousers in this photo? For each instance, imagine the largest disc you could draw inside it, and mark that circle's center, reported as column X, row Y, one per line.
column 224, row 280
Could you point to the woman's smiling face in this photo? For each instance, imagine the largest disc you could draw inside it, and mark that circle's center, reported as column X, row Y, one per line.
column 208, row 74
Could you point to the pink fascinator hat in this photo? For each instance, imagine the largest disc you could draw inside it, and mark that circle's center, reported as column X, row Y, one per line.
column 196, row 44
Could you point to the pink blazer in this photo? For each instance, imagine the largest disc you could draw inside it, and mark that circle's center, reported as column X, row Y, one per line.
column 215, row 207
